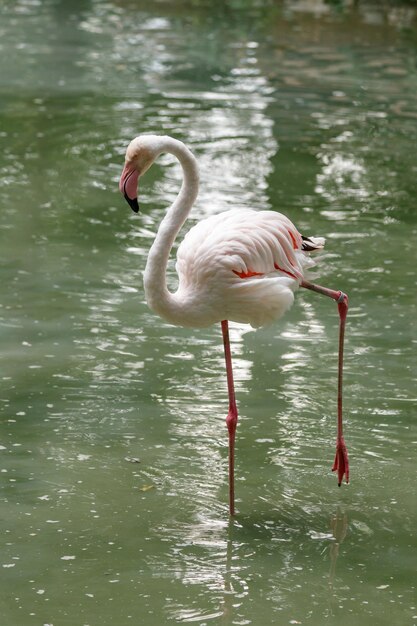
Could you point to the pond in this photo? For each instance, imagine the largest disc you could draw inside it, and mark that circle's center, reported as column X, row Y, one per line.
column 113, row 446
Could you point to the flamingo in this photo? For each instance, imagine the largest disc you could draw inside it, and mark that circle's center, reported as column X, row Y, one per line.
column 240, row 265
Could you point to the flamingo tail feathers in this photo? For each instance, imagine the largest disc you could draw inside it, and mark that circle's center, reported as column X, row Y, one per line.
column 311, row 244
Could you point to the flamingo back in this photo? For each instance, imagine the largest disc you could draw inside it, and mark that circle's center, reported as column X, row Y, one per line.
column 241, row 265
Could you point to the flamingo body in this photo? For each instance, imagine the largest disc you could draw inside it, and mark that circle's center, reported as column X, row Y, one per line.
column 228, row 268
column 240, row 265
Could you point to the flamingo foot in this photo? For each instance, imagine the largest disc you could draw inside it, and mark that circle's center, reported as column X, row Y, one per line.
column 341, row 462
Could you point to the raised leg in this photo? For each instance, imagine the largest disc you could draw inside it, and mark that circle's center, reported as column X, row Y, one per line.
column 341, row 461
column 231, row 419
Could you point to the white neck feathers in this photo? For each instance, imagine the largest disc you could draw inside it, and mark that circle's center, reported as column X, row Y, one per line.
column 157, row 295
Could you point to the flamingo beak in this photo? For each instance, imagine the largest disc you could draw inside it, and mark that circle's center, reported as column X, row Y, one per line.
column 128, row 185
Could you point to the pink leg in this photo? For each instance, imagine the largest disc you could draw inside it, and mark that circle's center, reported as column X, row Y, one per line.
column 341, row 461
column 231, row 419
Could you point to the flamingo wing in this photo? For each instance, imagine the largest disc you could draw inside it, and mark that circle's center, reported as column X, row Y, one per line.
column 243, row 264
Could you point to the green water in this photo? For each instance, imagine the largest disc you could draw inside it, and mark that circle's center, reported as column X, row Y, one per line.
column 113, row 451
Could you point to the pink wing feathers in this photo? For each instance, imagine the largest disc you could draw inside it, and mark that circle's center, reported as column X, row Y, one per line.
column 240, row 241
column 243, row 264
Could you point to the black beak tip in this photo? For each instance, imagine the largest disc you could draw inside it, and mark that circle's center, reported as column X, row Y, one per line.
column 133, row 203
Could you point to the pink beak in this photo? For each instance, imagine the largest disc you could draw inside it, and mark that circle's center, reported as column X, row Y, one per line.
column 128, row 185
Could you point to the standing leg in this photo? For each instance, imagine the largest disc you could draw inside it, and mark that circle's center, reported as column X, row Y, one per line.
column 231, row 419
column 341, row 461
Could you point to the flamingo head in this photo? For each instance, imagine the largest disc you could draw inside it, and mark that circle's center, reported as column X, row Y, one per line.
column 140, row 154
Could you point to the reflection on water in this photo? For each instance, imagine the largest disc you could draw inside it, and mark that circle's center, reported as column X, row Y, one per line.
column 339, row 528
column 217, row 556
column 113, row 444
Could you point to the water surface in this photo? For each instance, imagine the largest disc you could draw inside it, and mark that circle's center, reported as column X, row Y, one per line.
column 113, row 443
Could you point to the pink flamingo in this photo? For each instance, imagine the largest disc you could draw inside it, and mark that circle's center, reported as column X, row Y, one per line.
column 241, row 265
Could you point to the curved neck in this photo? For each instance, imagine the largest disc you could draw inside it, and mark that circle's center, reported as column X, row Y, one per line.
column 157, row 295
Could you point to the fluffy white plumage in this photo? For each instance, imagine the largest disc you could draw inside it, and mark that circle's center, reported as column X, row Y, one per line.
column 240, row 265
column 229, row 262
